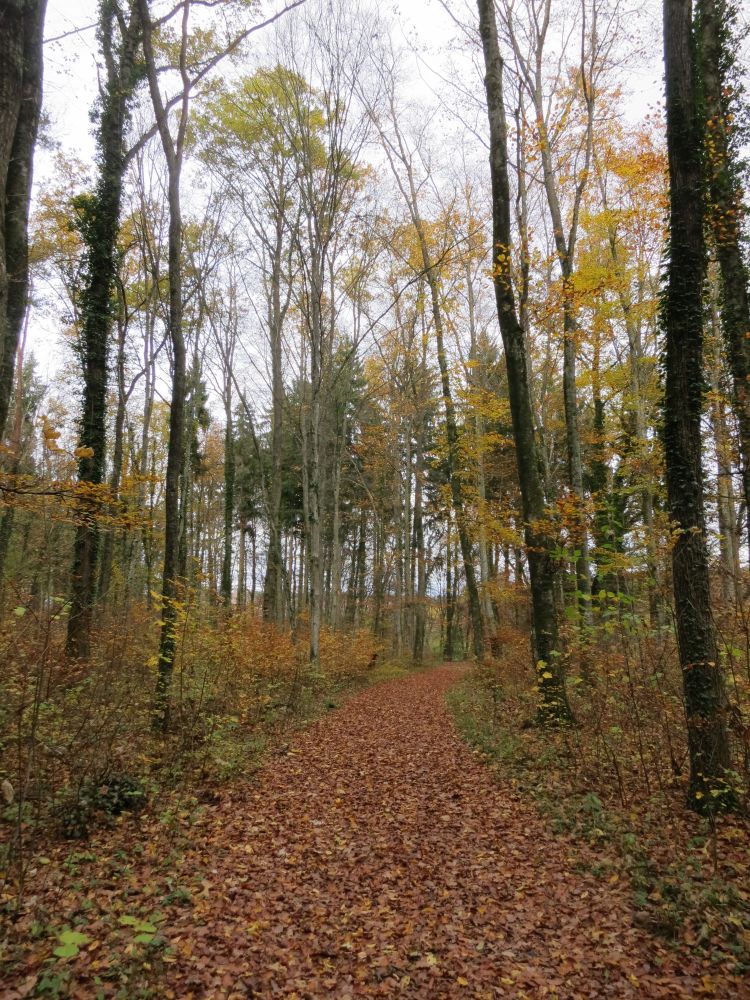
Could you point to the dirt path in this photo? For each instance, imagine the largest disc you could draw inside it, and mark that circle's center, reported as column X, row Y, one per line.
column 379, row 859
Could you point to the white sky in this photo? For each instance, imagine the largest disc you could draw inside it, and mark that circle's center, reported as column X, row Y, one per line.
column 70, row 64
column 70, row 88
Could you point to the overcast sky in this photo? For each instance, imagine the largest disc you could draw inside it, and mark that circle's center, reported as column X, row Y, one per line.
column 70, row 64
column 70, row 84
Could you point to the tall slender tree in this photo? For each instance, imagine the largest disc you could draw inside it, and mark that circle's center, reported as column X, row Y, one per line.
column 247, row 140
column 401, row 159
column 717, row 26
column 682, row 316
column 595, row 42
column 99, row 221
column 554, row 705
column 327, row 133
column 173, row 147
column 21, row 70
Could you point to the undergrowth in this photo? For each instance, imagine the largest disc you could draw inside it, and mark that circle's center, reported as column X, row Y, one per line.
column 78, row 750
column 689, row 875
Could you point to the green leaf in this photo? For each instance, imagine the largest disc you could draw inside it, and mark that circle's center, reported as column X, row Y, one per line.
column 73, row 937
column 144, row 938
column 19, row 612
column 144, row 928
column 66, row 951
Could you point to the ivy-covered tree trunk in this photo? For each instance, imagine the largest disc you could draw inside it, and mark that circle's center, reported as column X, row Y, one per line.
column 716, row 20
column 99, row 224
column 21, row 64
column 554, row 705
column 682, row 313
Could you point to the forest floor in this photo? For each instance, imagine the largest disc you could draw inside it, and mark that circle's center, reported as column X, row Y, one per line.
column 375, row 856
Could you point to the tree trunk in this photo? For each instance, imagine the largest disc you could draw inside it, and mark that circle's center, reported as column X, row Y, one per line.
column 272, row 602
column 488, row 608
column 635, row 357
column 360, row 595
column 378, row 573
column 173, row 150
column 550, row 675
column 253, row 562
column 715, row 19
column 579, row 532
column 410, row 194
column 565, row 248
column 242, row 566
column 451, row 432
column 315, row 488
column 450, row 598
column 118, row 448
column 683, row 402
column 729, row 542
column 9, row 514
column 229, row 476
column 420, row 598
column 147, row 539
column 336, row 553
column 21, row 65
column 99, row 225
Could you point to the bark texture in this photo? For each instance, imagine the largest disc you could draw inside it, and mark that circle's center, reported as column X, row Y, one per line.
column 725, row 197
column 21, row 65
column 173, row 151
column 683, row 404
column 99, row 220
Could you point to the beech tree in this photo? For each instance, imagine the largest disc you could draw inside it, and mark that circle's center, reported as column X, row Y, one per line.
column 554, row 705
column 174, row 148
column 565, row 231
column 326, row 131
column 248, row 139
column 403, row 161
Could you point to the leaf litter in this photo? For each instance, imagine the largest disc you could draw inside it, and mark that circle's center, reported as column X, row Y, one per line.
column 375, row 856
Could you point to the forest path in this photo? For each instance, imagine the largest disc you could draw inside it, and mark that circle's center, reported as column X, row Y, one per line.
column 379, row 858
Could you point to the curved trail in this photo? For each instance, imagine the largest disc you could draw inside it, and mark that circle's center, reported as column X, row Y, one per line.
column 378, row 858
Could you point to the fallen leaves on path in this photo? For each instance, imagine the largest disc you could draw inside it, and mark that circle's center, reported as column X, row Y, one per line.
column 378, row 858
